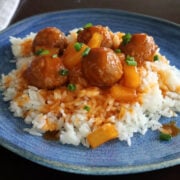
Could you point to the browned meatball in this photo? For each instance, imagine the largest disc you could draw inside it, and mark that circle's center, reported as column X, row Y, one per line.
column 85, row 35
column 102, row 67
column 50, row 38
column 141, row 46
column 44, row 72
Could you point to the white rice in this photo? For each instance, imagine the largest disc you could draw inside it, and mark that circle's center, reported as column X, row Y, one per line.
column 75, row 127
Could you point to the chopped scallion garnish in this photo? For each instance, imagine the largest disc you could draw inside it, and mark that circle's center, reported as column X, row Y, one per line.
column 117, row 51
column 87, row 25
column 42, row 52
column 63, row 72
column 79, row 30
column 87, row 108
column 86, row 51
column 71, row 87
column 126, row 38
column 156, row 58
column 78, row 46
column 165, row 137
column 131, row 61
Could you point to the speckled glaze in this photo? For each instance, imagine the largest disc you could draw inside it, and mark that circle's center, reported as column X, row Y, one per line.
column 147, row 153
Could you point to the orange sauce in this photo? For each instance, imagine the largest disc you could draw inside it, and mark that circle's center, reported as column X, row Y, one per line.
column 170, row 128
column 26, row 47
column 51, row 135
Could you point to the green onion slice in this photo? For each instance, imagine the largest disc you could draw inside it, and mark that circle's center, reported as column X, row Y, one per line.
column 86, row 51
column 78, row 46
column 87, row 25
column 79, row 30
column 117, row 51
column 42, row 52
column 165, row 137
column 126, row 38
column 63, row 72
column 71, row 87
column 130, row 61
column 156, row 58
column 87, row 108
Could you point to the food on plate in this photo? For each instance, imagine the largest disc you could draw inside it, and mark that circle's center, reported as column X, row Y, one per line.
column 86, row 34
column 102, row 67
column 50, row 39
column 169, row 130
column 102, row 134
column 140, row 46
column 45, row 72
column 92, row 85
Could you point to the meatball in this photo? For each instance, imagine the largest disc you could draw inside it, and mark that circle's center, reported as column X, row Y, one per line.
column 141, row 46
column 50, row 38
column 44, row 72
column 102, row 67
column 85, row 35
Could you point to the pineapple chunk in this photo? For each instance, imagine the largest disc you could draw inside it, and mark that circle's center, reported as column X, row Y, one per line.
column 123, row 94
column 101, row 135
column 72, row 57
column 95, row 40
column 131, row 76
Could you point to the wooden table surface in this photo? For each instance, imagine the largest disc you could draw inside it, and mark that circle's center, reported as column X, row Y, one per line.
column 14, row 166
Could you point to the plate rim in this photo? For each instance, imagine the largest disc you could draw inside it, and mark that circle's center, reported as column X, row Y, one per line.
column 87, row 170
column 110, row 10
column 78, row 169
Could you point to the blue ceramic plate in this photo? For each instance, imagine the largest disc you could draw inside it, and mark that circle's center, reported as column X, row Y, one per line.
column 147, row 153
